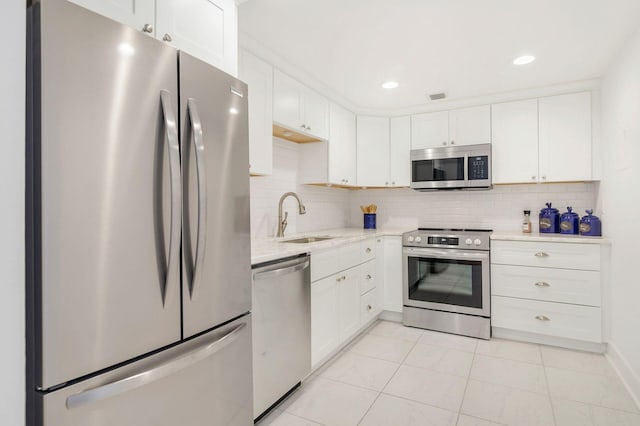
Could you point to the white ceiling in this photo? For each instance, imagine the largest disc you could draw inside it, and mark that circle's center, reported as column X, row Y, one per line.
column 462, row 47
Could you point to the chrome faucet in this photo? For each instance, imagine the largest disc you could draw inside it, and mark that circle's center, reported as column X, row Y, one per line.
column 282, row 223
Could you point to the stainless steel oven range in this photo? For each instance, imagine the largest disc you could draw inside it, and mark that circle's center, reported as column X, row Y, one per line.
column 446, row 281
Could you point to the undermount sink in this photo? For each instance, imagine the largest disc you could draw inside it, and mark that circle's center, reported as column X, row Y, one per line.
column 306, row 240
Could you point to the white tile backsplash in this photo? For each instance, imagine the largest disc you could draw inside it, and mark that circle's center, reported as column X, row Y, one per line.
column 326, row 207
column 499, row 209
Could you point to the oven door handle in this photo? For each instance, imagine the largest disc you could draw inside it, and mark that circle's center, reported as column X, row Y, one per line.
column 447, row 254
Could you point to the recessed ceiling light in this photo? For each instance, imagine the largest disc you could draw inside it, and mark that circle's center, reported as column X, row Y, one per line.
column 390, row 84
column 524, row 60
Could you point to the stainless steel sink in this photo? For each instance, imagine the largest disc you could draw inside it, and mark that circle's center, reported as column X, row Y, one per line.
column 307, row 240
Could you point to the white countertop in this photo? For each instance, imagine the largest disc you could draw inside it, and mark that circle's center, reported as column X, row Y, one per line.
column 267, row 249
column 552, row 238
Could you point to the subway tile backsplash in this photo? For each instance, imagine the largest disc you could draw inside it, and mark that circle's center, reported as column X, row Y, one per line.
column 499, row 209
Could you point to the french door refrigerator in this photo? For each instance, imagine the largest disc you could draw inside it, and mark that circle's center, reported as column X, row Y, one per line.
column 138, row 246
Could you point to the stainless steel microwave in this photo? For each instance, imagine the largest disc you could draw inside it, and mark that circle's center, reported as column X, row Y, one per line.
column 452, row 167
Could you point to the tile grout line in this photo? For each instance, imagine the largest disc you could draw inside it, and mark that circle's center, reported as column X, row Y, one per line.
column 546, row 379
column 386, row 384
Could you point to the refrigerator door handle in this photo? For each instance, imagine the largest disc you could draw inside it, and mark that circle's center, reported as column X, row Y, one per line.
column 153, row 374
column 198, row 141
column 173, row 146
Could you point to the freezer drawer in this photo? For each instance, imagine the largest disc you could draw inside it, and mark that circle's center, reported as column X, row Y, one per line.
column 205, row 381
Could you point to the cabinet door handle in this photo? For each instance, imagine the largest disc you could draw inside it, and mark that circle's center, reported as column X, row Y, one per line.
column 542, row 284
column 368, row 276
column 542, row 318
column 444, row 143
column 167, row 37
column 541, row 254
column 533, row 178
column 148, row 28
column 369, row 307
column 368, row 250
column 303, row 126
column 453, row 142
column 393, row 183
column 339, row 279
column 544, row 177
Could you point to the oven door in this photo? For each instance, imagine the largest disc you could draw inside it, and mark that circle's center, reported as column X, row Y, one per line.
column 447, row 280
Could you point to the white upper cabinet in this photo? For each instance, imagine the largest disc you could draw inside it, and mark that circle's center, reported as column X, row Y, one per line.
column 565, row 137
column 331, row 162
column 542, row 140
column 373, row 151
column 259, row 77
column 514, row 142
column 342, row 146
column 470, row 126
column 429, row 130
column 400, row 151
column 299, row 108
column 138, row 14
column 465, row 126
column 206, row 29
column 316, row 114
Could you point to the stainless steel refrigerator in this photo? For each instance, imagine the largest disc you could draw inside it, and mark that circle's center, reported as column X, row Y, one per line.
column 138, row 245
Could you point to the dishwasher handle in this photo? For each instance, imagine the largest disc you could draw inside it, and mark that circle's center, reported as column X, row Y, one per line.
column 280, row 269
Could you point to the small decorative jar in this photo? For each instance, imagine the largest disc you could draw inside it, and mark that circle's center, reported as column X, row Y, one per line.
column 590, row 225
column 569, row 222
column 549, row 220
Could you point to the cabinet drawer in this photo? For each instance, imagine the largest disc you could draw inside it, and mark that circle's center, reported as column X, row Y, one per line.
column 368, row 306
column 547, row 284
column 546, row 255
column 367, row 276
column 548, row 318
column 336, row 259
column 368, row 249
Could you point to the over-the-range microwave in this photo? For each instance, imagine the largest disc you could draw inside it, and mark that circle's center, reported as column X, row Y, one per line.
column 452, row 167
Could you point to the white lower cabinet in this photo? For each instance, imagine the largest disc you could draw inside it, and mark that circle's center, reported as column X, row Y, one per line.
column 547, row 290
column 392, row 295
column 551, row 319
column 348, row 302
column 344, row 296
column 325, row 326
column 369, row 307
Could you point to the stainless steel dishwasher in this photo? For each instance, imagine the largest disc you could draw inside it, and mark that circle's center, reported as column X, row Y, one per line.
column 281, row 329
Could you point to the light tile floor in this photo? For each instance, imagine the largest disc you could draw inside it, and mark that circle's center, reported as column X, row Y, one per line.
column 395, row 375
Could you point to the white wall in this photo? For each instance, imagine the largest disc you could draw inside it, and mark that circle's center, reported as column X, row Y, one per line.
column 326, row 207
column 12, row 361
column 499, row 209
column 620, row 198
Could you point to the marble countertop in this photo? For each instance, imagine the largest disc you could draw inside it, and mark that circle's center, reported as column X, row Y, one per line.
column 553, row 238
column 267, row 249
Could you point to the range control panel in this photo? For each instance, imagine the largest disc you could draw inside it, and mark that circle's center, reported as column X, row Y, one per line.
column 461, row 239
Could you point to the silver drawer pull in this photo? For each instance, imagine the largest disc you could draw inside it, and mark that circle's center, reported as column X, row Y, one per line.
column 368, row 276
column 369, row 307
column 542, row 284
column 541, row 254
column 368, row 250
column 542, row 318
column 339, row 279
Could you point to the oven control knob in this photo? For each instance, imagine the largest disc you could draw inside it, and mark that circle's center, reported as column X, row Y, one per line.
column 468, row 241
column 477, row 241
column 410, row 238
column 418, row 239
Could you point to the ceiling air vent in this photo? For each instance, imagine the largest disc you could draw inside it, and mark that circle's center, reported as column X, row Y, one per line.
column 437, row 96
